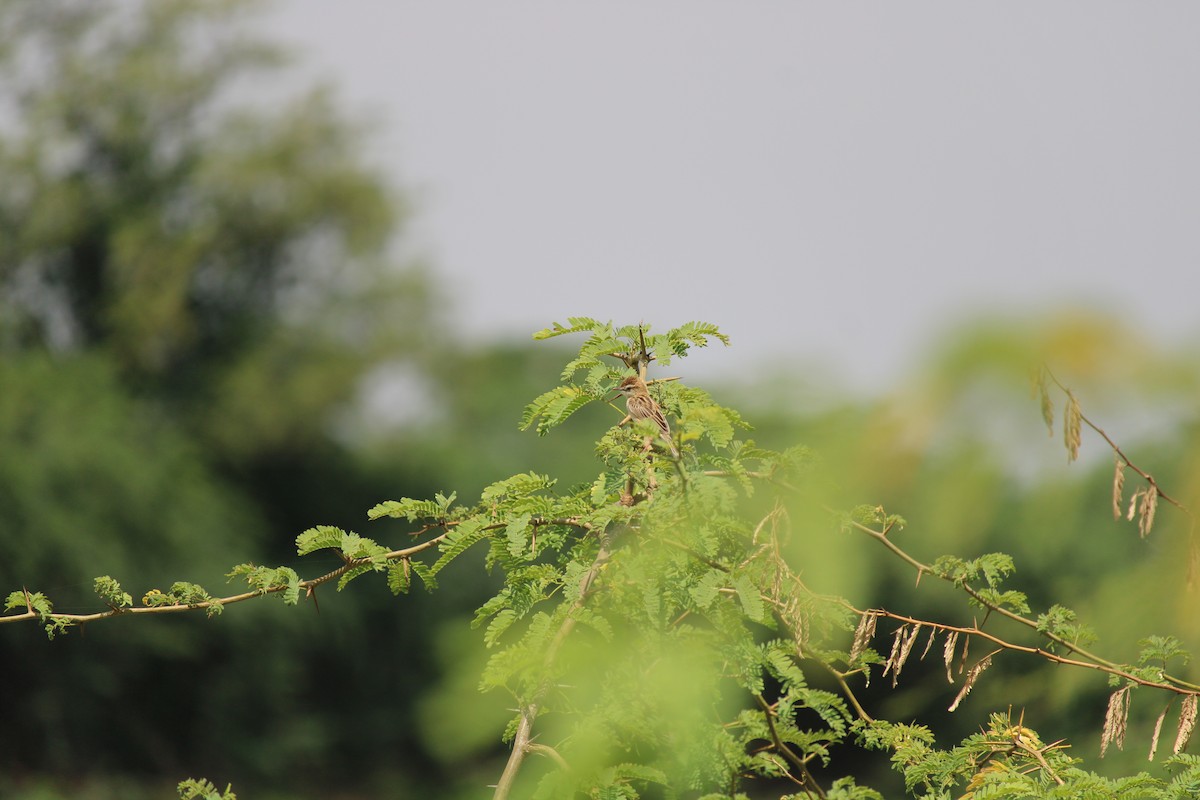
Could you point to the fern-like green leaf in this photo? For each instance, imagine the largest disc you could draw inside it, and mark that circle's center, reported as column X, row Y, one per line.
column 574, row 325
column 355, row 572
column 413, row 510
column 467, row 533
column 594, row 621
column 35, row 601
column 515, row 532
column 399, row 577
column 697, row 334
column 520, row 485
column 322, row 537
column 111, row 592
column 354, row 546
column 750, row 599
column 705, row 590
column 552, row 408
column 423, row 572
column 499, row 624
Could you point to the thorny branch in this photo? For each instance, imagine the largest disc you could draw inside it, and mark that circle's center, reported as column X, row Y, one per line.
column 1120, row 453
column 1085, row 658
column 307, row 586
column 1089, row 659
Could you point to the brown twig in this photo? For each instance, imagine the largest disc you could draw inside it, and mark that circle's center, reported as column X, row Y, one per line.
column 846, row 690
column 811, row 787
column 1090, row 659
column 1087, row 659
column 1120, row 453
column 974, row 630
column 306, row 585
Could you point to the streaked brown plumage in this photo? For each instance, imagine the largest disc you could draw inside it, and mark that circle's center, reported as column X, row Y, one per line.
column 641, row 405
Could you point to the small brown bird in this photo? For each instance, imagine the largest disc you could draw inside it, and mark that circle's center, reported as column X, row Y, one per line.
column 642, row 406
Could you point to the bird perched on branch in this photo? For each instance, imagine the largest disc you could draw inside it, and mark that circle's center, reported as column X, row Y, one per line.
column 641, row 405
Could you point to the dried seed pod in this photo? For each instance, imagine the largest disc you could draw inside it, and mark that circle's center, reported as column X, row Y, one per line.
column 1157, row 730
column 948, row 653
column 863, row 634
column 1072, row 427
column 1187, row 721
column 1146, row 511
column 1118, row 487
column 1116, row 718
column 972, row 675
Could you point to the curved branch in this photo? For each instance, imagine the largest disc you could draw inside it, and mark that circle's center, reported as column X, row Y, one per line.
column 1090, row 659
column 1179, row 687
column 811, row 787
column 305, row 585
column 1120, row 453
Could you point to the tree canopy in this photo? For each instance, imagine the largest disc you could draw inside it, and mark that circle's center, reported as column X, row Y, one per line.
column 223, row 257
column 197, row 276
column 195, row 286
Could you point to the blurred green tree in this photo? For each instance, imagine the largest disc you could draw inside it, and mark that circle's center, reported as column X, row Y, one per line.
column 194, row 285
column 233, row 264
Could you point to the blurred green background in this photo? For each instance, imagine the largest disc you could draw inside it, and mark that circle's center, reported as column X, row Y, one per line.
column 209, row 343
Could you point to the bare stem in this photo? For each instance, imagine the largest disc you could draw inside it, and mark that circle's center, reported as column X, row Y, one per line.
column 1120, row 453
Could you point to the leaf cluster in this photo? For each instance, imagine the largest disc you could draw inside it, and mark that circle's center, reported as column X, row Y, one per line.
column 655, row 639
column 1009, row 760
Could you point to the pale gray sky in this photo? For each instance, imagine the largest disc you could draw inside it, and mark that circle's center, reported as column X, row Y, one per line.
column 832, row 182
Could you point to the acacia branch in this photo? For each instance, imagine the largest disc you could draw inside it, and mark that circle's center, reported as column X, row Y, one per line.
column 221, row 601
column 1090, row 659
column 306, row 585
column 846, row 690
column 1120, row 453
column 1087, row 659
column 976, row 631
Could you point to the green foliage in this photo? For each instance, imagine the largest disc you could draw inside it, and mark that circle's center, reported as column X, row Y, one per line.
column 628, row 345
column 413, row 510
column 552, row 408
column 195, row 280
column 147, row 215
column 992, row 568
column 193, row 789
column 632, row 601
column 34, row 601
column 1008, row 760
column 111, row 593
column 1010, row 599
column 268, row 580
column 654, row 639
column 182, row 593
column 1063, row 623
column 1162, row 649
